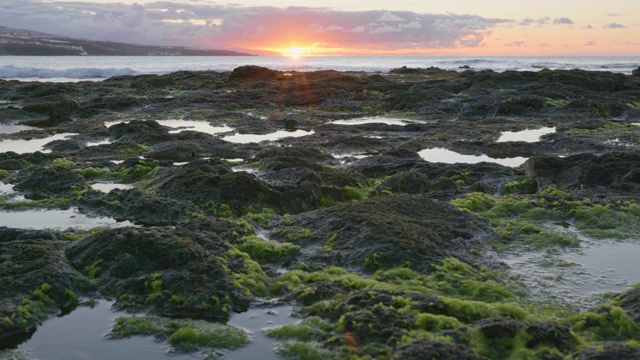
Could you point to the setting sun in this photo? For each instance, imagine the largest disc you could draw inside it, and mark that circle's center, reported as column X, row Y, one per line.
column 297, row 52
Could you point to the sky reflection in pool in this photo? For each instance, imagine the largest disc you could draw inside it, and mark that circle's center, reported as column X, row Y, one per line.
column 55, row 219
column 29, row 146
column 81, row 336
column 373, row 120
column 442, row 155
column 530, row 136
column 254, row 138
column 12, row 129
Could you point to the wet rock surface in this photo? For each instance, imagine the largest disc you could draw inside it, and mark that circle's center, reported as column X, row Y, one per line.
column 386, row 252
column 390, row 231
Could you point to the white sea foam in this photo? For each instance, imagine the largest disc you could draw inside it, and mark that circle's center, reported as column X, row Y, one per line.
column 75, row 68
column 20, row 72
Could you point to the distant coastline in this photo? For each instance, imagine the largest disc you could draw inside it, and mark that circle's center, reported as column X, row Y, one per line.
column 16, row 42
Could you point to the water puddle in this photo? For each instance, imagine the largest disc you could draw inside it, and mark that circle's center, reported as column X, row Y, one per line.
column 443, row 155
column 107, row 187
column 355, row 156
column 253, row 138
column 374, row 120
column 12, row 129
column 257, row 321
column 200, row 126
column 530, row 136
column 6, row 189
column 29, row 146
column 56, row 219
column 81, row 336
column 99, row 142
column 581, row 276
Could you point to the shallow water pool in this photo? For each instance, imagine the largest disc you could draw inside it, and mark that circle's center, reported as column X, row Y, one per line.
column 81, row 336
column 257, row 321
column 29, row 146
column 56, row 219
column 373, row 120
column 12, row 129
column 107, row 187
column 442, row 155
column 254, row 138
column 580, row 276
column 530, row 136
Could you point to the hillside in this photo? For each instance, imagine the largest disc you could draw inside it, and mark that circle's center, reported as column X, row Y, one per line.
column 31, row 43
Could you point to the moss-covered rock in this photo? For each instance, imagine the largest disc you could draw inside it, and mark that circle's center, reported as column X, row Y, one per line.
column 177, row 273
column 391, row 231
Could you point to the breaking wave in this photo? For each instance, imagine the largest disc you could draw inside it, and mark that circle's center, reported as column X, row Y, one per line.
column 17, row 72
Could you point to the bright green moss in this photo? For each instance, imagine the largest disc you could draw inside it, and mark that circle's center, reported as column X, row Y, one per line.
column 475, row 202
column 267, row 251
column 252, row 278
column 183, row 335
column 304, row 351
column 309, row 329
column 432, row 322
column 469, row 311
column 609, row 323
column 526, row 186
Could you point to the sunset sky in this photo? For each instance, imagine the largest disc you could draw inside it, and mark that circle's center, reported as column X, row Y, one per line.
column 359, row 27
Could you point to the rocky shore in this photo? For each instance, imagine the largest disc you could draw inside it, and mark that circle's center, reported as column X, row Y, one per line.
column 388, row 209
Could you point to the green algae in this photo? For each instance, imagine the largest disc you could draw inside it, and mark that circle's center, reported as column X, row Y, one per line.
column 311, row 328
column 267, row 251
column 251, row 278
column 522, row 218
column 183, row 335
column 431, row 322
column 605, row 323
column 304, row 351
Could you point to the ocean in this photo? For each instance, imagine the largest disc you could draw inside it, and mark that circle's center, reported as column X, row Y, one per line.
column 96, row 68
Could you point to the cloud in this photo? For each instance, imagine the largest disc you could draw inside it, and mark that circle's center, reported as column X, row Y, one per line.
column 563, row 21
column 614, row 26
column 590, row 43
column 540, row 22
column 613, row 15
column 391, row 17
column 588, row 27
column 517, row 44
column 205, row 24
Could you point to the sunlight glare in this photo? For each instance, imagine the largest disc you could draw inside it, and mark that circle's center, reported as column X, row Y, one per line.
column 297, row 52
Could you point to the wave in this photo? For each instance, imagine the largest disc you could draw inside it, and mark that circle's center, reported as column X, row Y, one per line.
column 17, row 72
column 471, row 61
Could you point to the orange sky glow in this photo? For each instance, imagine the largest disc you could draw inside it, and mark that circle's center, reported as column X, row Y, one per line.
column 357, row 27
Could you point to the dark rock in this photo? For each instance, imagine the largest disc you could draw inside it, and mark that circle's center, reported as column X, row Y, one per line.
column 390, row 231
column 140, row 132
column 551, row 334
column 425, row 349
column 55, row 110
column 175, row 151
column 174, row 273
column 630, row 302
column 149, row 82
column 499, row 328
column 254, row 73
column 636, row 72
column 139, row 206
column 28, row 260
column 409, row 182
column 617, row 351
column 612, row 170
column 48, row 182
column 377, row 324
